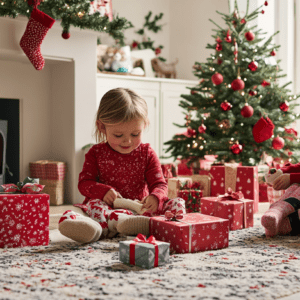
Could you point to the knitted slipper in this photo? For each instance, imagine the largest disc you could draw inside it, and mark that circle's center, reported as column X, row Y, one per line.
column 79, row 228
column 134, row 225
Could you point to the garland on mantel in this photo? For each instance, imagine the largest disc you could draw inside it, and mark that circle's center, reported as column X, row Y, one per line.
column 71, row 12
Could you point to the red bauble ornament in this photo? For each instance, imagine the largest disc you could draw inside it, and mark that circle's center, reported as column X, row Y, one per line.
column 284, row 106
column 202, row 128
column 228, row 37
column 134, row 44
column 237, row 84
column 266, row 3
column 247, row 111
column 243, row 21
column 157, row 51
column 263, row 129
column 249, row 36
column 278, row 143
column 193, row 92
column 262, row 11
column 191, row 132
column 252, row 93
column 253, row 66
column 219, row 47
column 219, row 61
column 218, row 40
column 265, row 83
column 273, row 52
column 236, row 148
column 226, row 106
column 217, row 78
column 66, row 35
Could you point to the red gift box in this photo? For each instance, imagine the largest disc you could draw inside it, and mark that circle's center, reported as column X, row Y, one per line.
column 193, row 233
column 24, row 220
column 237, row 210
column 169, row 170
column 263, row 192
column 240, row 178
column 183, row 169
column 192, row 199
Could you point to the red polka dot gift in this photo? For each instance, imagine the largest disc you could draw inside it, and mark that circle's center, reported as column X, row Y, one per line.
column 24, row 215
column 231, row 206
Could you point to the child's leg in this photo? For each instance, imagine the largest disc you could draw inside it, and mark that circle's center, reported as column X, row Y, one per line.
column 278, row 211
column 78, row 227
column 125, row 222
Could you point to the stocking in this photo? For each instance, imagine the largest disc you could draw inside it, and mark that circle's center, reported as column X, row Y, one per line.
column 36, row 30
column 79, row 228
column 272, row 219
column 262, row 130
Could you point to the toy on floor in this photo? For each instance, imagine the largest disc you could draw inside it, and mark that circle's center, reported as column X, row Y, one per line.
column 135, row 205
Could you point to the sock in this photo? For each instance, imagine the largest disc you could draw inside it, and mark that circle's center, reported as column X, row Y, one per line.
column 35, row 32
column 133, row 225
column 79, row 228
column 277, row 212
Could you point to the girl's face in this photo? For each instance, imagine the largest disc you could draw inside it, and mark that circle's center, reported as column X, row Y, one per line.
column 124, row 137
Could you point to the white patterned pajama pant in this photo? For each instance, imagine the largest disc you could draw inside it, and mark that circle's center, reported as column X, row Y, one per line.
column 108, row 218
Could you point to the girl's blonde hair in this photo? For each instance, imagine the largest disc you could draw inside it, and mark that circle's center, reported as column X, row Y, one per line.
column 118, row 106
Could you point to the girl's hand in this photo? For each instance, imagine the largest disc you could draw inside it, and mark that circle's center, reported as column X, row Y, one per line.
column 282, row 182
column 111, row 196
column 150, row 203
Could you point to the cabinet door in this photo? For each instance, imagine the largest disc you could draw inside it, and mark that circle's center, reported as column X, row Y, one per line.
column 171, row 112
column 148, row 91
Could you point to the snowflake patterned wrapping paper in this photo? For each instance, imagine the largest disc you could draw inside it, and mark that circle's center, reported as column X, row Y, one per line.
column 192, row 199
column 195, row 232
column 239, row 214
column 144, row 255
column 24, row 220
column 240, row 178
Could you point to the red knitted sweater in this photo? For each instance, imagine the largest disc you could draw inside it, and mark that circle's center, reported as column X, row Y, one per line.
column 134, row 175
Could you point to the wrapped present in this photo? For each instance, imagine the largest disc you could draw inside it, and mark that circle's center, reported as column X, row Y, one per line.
column 240, row 178
column 24, row 216
column 169, row 170
column 205, row 181
column 183, row 168
column 52, row 175
column 274, row 195
column 263, row 192
column 232, row 206
column 192, row 199
column 205, row 164
column 145, row 253
column 176, row 184
column 190, row 232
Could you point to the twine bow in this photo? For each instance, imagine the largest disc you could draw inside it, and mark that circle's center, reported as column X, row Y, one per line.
column 169, row 216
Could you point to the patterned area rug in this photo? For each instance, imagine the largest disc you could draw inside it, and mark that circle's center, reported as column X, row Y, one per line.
column 251, row 268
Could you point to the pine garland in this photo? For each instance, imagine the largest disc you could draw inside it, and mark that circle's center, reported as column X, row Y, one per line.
column 70, row 12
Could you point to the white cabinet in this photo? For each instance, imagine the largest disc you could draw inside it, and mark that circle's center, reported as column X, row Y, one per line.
column 162, row 97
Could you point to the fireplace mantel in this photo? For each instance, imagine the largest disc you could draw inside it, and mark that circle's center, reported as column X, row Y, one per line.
column 58, row 103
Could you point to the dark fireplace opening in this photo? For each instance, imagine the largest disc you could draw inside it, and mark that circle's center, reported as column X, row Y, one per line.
column 10, row 112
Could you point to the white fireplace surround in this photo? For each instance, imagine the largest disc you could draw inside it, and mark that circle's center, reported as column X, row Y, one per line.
column 58, row 103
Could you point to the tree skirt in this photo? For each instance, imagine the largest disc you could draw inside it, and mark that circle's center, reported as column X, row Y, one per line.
column 253, row 267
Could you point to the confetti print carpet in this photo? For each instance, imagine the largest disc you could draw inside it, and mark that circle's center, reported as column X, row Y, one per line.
column 251, row 268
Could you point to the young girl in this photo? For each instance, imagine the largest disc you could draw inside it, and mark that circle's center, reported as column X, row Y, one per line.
column 283, row 216
column 119, row 166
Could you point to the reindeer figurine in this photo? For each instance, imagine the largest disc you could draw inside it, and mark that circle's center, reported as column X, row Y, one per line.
column 163, row 69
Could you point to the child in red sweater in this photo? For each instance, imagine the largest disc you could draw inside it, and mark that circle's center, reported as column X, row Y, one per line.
column 283, row 216
column 119, row 166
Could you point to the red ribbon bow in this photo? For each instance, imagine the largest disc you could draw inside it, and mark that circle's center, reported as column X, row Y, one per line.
column 142, row 239
column 231, row 195
column 28, row 188
column 169, row 216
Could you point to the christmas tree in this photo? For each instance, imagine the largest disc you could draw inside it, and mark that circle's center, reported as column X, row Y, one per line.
column 238, row 110
column 78, row 13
